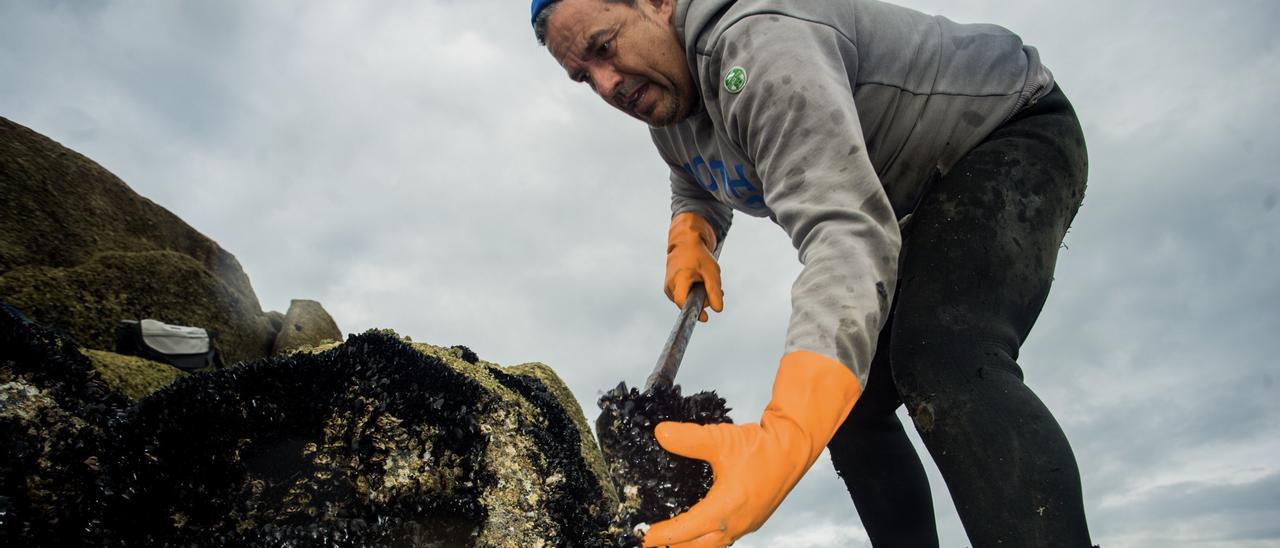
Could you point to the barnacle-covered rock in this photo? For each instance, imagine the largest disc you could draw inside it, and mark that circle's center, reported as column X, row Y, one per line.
column 372, row 442
column 375, row 441
column 54, row 417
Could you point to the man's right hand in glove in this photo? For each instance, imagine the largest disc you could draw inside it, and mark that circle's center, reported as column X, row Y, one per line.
column 756, row 465
column 690, row 242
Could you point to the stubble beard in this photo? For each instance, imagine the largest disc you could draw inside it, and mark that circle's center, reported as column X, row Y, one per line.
column 669, row 108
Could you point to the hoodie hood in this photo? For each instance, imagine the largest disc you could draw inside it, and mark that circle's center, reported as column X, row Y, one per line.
column 693, row 18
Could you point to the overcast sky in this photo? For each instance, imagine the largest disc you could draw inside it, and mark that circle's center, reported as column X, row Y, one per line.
column 424, row 166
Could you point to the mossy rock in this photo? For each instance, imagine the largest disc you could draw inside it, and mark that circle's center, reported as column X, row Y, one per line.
column 131, row 376
column 89, row 299
column 306, row 324
column 60, row 209
column 80, row 250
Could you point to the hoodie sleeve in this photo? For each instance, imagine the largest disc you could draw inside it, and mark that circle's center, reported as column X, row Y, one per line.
column 795, row 119
column 688, row 195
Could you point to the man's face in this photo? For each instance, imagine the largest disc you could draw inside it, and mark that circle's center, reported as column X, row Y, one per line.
column 630, row 55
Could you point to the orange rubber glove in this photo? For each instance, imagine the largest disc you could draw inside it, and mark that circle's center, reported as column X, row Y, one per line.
column 756, row 465
column 690, row 242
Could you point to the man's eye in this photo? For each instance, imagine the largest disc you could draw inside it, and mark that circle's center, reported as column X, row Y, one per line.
column 604, row 48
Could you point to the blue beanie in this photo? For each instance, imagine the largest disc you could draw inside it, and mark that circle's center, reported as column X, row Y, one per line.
column 537, row 7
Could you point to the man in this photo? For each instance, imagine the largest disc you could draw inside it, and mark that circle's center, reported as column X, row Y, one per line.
column 839, row 120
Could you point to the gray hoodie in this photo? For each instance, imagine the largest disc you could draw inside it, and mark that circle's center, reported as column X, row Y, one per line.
column 829, row 117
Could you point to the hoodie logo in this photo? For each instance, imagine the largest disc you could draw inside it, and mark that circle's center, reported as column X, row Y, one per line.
column 735, row 79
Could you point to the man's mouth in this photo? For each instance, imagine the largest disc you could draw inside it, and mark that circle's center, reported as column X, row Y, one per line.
column 633, row 101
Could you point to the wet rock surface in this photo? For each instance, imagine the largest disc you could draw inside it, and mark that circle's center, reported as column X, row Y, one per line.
column 351, row 445
column 373, row 442
column 653, row 485
column 55, row 416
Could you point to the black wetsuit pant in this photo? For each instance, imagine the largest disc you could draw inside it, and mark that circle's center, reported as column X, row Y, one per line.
column 979, row 255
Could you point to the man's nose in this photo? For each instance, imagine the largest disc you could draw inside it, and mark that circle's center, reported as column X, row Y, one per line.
column 607, row 82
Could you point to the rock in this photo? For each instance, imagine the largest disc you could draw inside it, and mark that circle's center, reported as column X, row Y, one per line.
column 306, row 324
column 87, row 300
column 276, row 319
column 55, row 415
column 373, row 441
column 131, row 376
column 108, row 254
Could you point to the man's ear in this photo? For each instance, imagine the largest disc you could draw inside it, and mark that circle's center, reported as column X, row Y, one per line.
column 663, row 8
